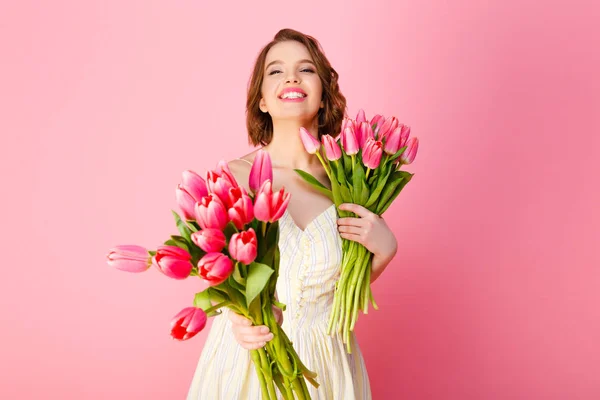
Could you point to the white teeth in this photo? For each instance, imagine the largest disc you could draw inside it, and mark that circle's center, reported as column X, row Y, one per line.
column 292, row 95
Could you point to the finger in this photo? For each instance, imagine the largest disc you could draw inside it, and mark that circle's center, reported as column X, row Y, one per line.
column 350, row 221
column 356, row 209
column 356, row 230
column 352, row 236
column 253, row 337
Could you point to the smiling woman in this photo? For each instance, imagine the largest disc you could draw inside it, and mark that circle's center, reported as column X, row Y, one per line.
column 293, row 86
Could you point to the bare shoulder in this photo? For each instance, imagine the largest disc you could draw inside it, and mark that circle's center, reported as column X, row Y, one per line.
column 240, row 168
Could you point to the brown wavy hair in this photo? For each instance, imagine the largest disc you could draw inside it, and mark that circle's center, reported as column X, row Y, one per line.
column 260, row 125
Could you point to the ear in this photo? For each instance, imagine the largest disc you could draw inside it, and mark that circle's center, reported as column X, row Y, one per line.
column 322, row 104
column 263, row 105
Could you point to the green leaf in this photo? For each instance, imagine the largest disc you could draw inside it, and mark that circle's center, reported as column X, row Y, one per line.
column 237, row 276
column 236, row 285
column 398, row 153
column 182, row 227
column 202, row 300
column 397, row 186
column 346, row 195
column 229, row 230
column 315, row 183
column 337, row 171
column 258, row 277
column 177, row 243
column 382, row 182
column 152, row 253
column 347, row 163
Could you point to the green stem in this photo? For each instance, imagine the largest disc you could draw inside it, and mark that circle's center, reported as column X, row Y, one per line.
column 325, row 166
column 266, row 366
column 365, row 271
column 261, row 376
column 216, row 307
column 336, row 311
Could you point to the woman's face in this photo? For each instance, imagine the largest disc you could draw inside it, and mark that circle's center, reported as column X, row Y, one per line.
column 291, row 87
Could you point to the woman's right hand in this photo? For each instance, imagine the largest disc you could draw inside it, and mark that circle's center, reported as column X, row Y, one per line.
column 248, row 336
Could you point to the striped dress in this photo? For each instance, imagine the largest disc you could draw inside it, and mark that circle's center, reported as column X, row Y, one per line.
column 309, row 267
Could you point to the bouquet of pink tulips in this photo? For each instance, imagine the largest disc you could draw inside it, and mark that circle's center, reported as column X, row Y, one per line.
column 229, row 239
column 363, row 169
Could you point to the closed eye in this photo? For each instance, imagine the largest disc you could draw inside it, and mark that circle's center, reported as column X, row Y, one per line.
column 275, row 71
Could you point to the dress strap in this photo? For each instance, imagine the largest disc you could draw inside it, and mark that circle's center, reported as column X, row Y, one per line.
column 242, row 159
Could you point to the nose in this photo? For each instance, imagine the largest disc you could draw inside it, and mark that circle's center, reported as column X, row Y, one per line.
column 292, row 77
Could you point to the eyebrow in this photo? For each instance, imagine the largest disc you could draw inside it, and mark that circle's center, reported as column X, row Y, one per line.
column 306, row 60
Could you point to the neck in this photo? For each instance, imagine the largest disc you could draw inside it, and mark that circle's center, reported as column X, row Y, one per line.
column 286, row 148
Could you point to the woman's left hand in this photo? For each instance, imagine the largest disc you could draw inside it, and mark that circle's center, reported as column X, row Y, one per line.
column 370, row 230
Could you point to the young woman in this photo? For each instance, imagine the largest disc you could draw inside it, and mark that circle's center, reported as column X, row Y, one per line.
column 293, row 85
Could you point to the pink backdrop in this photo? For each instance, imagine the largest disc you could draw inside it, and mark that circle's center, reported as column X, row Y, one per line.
column 495, row 291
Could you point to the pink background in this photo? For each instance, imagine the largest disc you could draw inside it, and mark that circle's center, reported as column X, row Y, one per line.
column 495, row 292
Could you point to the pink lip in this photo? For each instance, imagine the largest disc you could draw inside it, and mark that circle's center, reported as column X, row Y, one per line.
column 297, row 90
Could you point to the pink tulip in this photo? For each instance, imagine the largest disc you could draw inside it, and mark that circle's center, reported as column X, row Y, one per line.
column 360, row 117
column 215, row 268
column 392, row 141
column 129, row 258
column 349, row 142
column 209, row 240
column 408, row 155
column 173, row 261
column 220, row 180
column 388, row 127
column 371, row 154
column 347, row 123
column 187, row 323
column 261, row 170
column 242, row 246
column 404, row 135
column 376, row 123
column 332, row 149
column 269, row 206
column 189, row 192
column 366, row 132
column 311, row 144
column 211, row 213
column 242, row 210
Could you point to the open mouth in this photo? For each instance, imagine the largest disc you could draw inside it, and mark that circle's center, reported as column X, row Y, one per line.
column 292, row 95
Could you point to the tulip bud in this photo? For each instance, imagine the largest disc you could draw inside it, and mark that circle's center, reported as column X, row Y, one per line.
column 376, row 122
column 332, row 149
column 243, row 246
column 408, row 155
column 242, row 210
column 215, row 268
column 349, row 142
column 366, row 132
column 392, row 141
column 209, row 240
column 371, row 154
column 129, row 258
column 360, row 117
column 347, row 123
column 404, row 135
column 269, row 206
column 173, row 261
column 261, row 170
column 211, row 213
column 311, row 144
column 388, row 127
column 187, row 323
column 189, row 192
